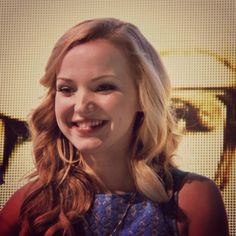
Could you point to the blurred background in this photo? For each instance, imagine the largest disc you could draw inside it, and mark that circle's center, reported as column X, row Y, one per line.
column 197, row 41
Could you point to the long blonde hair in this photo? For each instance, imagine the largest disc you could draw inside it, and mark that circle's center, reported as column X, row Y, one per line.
column 64, row 190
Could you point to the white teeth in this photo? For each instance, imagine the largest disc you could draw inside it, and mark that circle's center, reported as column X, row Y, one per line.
column 88, row 124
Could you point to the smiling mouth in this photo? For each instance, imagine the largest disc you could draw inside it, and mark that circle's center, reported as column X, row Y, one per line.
column 88, row 125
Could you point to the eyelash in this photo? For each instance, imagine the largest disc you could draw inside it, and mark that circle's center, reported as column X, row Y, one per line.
column 103, row 88
column 65, row 89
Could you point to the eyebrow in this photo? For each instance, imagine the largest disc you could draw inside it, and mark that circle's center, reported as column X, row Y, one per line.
column 93, row 79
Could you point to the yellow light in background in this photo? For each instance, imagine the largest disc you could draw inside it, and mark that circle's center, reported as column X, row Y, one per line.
column 198, row 68
column 200, row 149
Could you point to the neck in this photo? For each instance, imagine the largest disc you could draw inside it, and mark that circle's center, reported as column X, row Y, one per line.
column 112, row 173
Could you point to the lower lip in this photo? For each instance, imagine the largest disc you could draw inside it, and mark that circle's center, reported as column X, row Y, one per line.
column 89, row 130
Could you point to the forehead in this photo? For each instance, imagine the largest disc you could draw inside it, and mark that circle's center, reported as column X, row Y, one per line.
column 98, row 55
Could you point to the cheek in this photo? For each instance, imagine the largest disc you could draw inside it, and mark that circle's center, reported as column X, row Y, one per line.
column 57, row 107
column 124, row 113
column 61, row 108
column 118, row 103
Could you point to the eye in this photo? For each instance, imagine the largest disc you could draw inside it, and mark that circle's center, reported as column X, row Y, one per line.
column 65, row 89
column 105, row 88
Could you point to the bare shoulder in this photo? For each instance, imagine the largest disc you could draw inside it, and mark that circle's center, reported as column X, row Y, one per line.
column 9, row 215
column 201, row 203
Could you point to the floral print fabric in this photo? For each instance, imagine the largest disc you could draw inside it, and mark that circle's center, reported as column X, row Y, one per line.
column 144, row 217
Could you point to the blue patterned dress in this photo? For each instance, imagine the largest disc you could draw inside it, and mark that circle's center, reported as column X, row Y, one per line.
column 143, row 217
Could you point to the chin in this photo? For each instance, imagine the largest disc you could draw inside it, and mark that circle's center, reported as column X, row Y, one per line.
column 88, row 147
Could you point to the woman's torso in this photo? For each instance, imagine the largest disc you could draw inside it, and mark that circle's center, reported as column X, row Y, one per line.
column 138, row 216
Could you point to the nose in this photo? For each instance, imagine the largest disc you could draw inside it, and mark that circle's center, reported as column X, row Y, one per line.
column 84, row 103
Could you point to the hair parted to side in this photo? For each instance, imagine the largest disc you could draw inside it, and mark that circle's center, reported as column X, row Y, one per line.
column 64, row 190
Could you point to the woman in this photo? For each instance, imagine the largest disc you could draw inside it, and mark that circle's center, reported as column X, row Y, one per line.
column 103, row 139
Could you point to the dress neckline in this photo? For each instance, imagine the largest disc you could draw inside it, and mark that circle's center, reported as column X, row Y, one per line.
column 112, row 194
